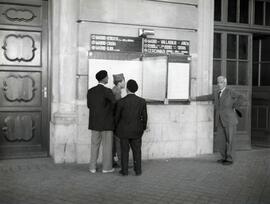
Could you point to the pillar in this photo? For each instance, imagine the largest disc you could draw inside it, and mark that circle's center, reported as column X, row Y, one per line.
column 64, row 65
column 204, row 76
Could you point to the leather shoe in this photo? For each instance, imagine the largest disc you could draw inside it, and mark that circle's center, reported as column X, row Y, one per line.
column 108, row 171
column 93, row 171
column 220, row 161
column 115, row 165
column 122, row 173
column 227, row 162
column 138, row 173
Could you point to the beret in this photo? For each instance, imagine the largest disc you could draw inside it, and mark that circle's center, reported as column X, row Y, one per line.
column 118, row 77
column 101, row 75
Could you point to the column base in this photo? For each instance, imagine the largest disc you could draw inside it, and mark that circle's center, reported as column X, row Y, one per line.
column 63, row 137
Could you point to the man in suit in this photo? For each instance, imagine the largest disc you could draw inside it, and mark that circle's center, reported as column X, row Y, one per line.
column 226, row 103
column 101, row 101
column 131, row 120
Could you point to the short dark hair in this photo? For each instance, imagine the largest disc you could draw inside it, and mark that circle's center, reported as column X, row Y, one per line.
column 132, row 86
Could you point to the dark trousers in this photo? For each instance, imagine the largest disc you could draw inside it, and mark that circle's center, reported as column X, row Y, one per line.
column 135, row 145
column 225, row 140
column 116, row 150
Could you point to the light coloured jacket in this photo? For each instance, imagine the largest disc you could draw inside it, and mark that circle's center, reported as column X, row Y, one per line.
column 226, row 106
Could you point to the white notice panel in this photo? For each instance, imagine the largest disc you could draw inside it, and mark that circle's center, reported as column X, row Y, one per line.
column 130, row 69
column 154, row 77
column 178, row 81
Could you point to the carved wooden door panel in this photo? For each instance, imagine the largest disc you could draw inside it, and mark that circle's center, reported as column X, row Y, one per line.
column 23, row 79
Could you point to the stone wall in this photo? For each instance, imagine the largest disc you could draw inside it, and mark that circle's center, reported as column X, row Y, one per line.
column 177, row 130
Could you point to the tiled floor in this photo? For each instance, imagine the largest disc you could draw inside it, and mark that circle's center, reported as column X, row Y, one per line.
column 196, row 180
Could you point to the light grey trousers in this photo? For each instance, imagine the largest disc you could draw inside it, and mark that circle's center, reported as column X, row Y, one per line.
column 107, row 141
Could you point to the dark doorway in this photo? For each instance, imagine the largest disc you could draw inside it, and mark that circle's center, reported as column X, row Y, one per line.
column 233, row 59
column 260, row 128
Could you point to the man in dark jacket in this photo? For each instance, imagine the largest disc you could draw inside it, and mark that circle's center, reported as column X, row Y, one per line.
column 101, row 101
column 131, row 120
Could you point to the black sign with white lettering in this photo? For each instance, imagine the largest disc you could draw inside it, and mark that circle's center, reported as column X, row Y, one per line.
column 163, row 46
column 113, row 43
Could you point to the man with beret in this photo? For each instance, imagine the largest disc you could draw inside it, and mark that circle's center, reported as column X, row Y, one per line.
column 101, row 101
column 119, row 84
column 131, row 120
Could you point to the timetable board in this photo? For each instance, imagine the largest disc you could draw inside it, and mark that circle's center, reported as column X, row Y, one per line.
column 162, row 75
column 165, row 46
column 113, row 43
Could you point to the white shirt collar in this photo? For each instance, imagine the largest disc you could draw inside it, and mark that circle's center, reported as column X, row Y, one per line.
column 221, row 91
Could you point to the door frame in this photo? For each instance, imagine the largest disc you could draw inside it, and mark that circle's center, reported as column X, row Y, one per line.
column 46, row 57
column 247, row 89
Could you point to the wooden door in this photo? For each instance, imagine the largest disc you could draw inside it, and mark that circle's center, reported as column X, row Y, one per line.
column 24, row 108
column 261, row 91
column 233, row 59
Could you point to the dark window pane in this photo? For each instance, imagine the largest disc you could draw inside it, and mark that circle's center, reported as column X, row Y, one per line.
column 259, row 12
column 231, row 46
column 231, row 72
column 217, row 10
column 265, row 74
column 265, row 49
column 267, row 14
column 254, row 117
column 255, row 72
column 255, row 50
column 262, row 114
column 217, row 45
column 243, row 73
column 243, row 43
column 244, row 8
column 216, row 70
column 232, row 8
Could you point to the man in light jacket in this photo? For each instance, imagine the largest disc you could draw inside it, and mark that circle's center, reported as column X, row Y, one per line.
column 226, row 104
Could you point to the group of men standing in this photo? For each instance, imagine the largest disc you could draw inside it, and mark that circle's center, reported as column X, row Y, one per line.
column 122, row 121
column 117, row 122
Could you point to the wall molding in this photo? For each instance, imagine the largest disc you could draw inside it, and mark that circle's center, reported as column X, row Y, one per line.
column 173, row 2
column 137, row 25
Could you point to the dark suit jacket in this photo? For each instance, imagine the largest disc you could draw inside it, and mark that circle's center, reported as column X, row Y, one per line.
column 225, row 107
column 100, row 101
column 130, row 117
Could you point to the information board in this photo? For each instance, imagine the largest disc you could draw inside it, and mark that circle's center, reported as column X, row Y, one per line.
column 130, row 69
column 165, row 46
column 113, row 43
column 154, row 71
column 178, row 81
